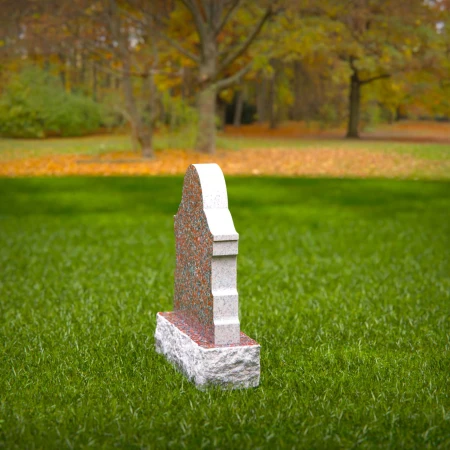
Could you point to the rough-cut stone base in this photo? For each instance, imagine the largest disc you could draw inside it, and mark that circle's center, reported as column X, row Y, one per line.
column 230, row 367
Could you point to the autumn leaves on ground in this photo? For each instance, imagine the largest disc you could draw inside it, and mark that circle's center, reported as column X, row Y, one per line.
column 405, row 150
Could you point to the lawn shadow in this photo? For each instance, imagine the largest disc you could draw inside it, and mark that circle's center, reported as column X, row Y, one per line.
column 247, row 195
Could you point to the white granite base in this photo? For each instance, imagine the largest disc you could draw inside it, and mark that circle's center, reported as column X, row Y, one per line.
column 228, row 367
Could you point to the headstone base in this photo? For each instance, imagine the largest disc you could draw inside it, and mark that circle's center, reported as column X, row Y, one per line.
column 228, row 366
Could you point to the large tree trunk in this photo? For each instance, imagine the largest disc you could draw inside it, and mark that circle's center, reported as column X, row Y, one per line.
column 94, row 81
column 206, row 137
column 272, row 106
column 302, row 91
column 141, row 133
column 82, row 68
column 62, row 69
column 209, row 18
column 73, row 71
column 262, row 100
column 274, row 113
column 222, row 113
column 354, row 106
column 238, row 109
column 145, row 139
column 400, row 113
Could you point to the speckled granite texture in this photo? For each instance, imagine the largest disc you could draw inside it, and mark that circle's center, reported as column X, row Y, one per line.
column 206, row 248
column 203, row 331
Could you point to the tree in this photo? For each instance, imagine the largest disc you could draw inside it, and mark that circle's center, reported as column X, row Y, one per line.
column 147, row 60
column 298, row 68
column 376, row 39
column 121, row 42
column 216, row 54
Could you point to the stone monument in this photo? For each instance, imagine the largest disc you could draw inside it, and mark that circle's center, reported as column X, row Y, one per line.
column 202, row 335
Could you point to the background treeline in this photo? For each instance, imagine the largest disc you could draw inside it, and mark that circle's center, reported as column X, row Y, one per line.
column 75, row 67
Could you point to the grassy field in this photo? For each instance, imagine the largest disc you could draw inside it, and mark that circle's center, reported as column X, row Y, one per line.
column 346, row 285
column 271, row 155
column 96, row 145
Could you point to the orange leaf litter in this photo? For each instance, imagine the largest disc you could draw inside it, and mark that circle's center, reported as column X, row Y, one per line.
column 279, row 161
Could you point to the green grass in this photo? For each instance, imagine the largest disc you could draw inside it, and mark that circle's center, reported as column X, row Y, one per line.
column 346, row 285
column 90, row 145
column 431, row 151
column 95, row 145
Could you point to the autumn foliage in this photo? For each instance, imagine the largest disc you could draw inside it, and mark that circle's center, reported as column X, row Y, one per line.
column 146, row 63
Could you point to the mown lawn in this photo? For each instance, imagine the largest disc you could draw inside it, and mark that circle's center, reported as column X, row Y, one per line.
column 101, row 144
column 346, row 285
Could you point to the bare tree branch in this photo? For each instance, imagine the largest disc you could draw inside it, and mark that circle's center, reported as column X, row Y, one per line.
column 179, row 47
column 197, row 16
column 206, row 12
column 246, row 44
column 228, row 15
column 369, row 80
column 163, row 34
column 216, row 9
column 227, row 82
column 351, row 61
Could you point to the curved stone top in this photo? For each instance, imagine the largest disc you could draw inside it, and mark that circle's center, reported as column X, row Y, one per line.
column 205, row 292
column 214, row 199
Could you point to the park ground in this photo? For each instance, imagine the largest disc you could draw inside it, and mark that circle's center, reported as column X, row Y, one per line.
column 344, row 282
column 403, row 150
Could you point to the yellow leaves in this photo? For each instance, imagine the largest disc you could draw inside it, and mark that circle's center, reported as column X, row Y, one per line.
column 181, row 20
column 285, row 94
column 164, row 83
column 396, row 87
column 315, row 160
column 261, row 62
column 227, row 95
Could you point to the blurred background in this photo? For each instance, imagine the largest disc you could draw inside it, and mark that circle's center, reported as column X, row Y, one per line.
column 245, row 69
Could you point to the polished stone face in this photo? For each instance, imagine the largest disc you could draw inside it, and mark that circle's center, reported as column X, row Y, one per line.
column 206, row 248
